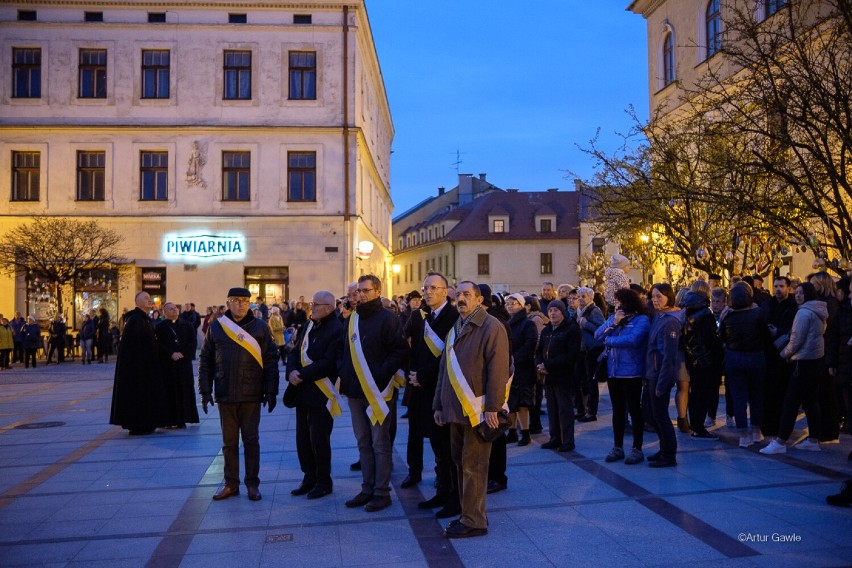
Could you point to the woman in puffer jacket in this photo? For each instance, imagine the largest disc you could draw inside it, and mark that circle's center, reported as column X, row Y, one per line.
column 625, row 336
column 806, row 351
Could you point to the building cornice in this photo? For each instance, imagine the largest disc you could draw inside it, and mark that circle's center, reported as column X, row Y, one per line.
column 644, row 7
column 336, row 5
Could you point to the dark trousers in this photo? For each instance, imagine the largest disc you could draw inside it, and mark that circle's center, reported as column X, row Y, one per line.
column 4, row 358
column 535, row 411
column 18, row 352
column 590, row 384
column 470, row 455
column 313, row 444
column 374, row 446
column 59, row 350
column 447, row 472
column 774, row 391
column 240, row 419
column 702, row 390
column 713, row 406
column 657, row 409
column 30, row 355
column 829, row 426
column 497, row 461
column 560, row 412
column 626, row 397
column 744, row 376
column 802, row 390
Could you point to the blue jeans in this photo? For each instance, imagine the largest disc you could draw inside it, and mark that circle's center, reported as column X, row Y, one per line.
column 745, row 373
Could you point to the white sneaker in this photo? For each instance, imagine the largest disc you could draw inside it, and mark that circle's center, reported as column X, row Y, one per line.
column 774, row 447
column 808, row 446
column 757, row 436
column 746, row 441
column 729, row 422
column 710, row 422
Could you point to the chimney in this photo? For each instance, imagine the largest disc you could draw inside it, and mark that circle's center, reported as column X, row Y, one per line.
column 441, row 191
column 482, row 177
column 553, row 190
column 465, row 188
column 512, row 190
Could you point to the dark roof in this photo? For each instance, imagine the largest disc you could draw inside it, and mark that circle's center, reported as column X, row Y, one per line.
column 521, row 207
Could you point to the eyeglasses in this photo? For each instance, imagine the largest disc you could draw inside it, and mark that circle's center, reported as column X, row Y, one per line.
column 432, row 288
column 365, row 290
column 239, row 300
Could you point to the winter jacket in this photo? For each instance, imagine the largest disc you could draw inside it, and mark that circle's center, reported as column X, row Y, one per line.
column 838, row 353
column 626, row 344
column 558, row 349
column 806, row 337
column 6, row 337
column 17, row 325
column 700, row 341
column 31, row 336
column 325, row 348
column 276, row 324
column 744, row 330
column 383, row 344
column 87, row 330
column 594, row 319
column 523, row 340
column 663, row 357
column 230, row 371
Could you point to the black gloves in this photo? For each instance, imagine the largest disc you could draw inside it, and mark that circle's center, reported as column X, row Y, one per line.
column 205, row 400
column 269, row 399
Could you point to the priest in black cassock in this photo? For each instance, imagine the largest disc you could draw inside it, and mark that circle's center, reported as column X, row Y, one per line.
column 138, row 399
column 177, row 341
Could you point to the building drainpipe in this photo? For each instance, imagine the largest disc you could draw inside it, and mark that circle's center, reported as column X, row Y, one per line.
column 347, row 214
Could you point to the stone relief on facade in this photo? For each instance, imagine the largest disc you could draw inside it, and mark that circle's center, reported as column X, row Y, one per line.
column 194, row 166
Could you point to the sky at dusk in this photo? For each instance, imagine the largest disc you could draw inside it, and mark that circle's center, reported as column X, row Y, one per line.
column 512, row 86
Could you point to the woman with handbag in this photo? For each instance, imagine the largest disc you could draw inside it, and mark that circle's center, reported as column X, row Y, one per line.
column 625, row 336
column 806, row 350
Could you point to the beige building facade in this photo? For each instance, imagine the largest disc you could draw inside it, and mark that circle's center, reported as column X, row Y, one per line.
column 230, row 143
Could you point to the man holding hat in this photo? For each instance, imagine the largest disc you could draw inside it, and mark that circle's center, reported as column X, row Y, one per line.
column 239, row 367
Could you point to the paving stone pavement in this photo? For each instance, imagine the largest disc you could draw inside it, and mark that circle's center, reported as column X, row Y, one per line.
column 75, row 491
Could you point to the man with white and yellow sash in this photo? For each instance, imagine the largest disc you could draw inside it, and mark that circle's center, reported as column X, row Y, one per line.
column 374, row 351
column 314, row 389
column 472, row 379
column 427, row 329
column 239, row 368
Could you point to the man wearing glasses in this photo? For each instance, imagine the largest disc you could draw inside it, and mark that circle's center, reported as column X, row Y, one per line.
column 239, row 367
column 313, row 388
column 375, row 350
column 428, row 329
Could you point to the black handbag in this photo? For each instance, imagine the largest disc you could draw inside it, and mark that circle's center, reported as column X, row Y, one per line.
column 601, row 369
column 291, row 396
column 489, row 434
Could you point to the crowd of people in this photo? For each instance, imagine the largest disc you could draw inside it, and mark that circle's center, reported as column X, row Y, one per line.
column 476, row 368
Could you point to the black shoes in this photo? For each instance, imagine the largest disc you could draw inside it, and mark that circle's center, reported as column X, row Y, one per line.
column 525, row 438
column 842, row 499
column 359, row 500
column 410, row 481
column 436, row 501
column 318, row 492
column 226, row 492
column 254, row 494
column 461, row 530
column 588, row 418
column 355, row 466
column 551, row 445
column 449, row 510
column 512, row 436
column 377, row 503
column 661, row 461
column 566, row 448
column 303, row 489
column 496, row 486
column 704, row 435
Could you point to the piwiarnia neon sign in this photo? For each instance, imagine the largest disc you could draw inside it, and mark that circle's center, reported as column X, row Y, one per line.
column 205, row 247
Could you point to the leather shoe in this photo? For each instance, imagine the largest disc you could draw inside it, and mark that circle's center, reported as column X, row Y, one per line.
column 355, row 466
column 551, row 445
column 495, row 486
column 377, row 503
column 410, row 481
column 461, row 530
column 448, row 510
column 566, row 448
column 254, row 494
column 302, row 489
column 359, row 500
column 587, row 418
column 226, row 492
column 436, row 501
column 663, row 462
column 318, row 492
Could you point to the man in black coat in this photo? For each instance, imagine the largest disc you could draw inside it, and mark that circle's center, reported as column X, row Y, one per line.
column 176, row 340
column 312, row 373
column 138, row 399
column 375, row 351
column 239, row 366
column 427, row 345
column 779, row 311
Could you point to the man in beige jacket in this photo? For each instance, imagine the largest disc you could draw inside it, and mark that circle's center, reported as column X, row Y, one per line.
column 472, row 379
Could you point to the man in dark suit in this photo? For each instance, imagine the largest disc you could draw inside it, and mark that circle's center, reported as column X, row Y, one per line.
column 428, row 328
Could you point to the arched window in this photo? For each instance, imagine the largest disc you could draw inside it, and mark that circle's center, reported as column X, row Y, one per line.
column 713, row 27
column 668, row 59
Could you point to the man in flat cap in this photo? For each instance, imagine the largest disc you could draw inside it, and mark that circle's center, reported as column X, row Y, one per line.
column 239, row 367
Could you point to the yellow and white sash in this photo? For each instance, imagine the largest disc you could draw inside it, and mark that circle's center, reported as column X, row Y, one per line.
column 242, row 338
column 470, row 403
column 329, row 389
column 433, row 341
column 378, row 410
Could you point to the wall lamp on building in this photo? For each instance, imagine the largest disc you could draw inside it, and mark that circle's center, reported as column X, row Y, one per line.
column 365, row 250
column 396, row 268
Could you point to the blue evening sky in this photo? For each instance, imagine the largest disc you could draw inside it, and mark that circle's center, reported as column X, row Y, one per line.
column 512, row 86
